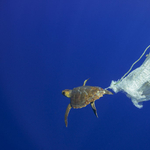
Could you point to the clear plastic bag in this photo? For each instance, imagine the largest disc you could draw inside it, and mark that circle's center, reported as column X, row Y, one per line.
column 136, row 84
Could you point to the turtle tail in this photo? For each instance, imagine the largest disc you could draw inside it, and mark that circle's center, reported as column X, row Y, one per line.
column 108, row 92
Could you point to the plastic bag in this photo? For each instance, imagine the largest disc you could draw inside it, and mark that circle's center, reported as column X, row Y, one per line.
column 136, row 85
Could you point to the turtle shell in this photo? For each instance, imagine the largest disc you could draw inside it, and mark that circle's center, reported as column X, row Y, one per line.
column 83, row 95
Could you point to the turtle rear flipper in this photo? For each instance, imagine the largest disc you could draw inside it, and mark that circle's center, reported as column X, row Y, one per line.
column 66, row 114
column 94, row 108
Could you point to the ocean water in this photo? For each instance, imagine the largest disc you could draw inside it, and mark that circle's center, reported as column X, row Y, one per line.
column 47, row 46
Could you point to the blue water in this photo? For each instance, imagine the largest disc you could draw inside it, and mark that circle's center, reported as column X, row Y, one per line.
column 47, row 46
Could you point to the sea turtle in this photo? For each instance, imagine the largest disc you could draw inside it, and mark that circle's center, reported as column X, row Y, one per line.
column 82, row 96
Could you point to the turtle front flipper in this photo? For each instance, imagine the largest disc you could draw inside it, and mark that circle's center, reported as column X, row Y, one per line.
column 85, row 81
column 94, row 108
column 66, row 114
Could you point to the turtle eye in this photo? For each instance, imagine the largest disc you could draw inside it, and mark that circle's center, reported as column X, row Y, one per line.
column 63, row 93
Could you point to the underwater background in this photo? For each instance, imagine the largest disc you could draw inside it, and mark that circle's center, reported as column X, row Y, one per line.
column 47, row 46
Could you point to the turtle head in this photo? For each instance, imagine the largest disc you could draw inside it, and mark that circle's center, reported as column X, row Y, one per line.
column 67, row 93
